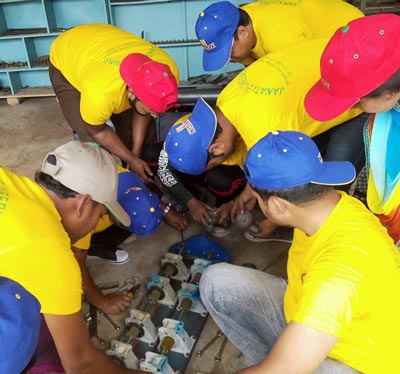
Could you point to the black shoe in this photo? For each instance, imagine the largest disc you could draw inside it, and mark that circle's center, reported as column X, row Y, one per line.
column 105, row 244
column 114, row 256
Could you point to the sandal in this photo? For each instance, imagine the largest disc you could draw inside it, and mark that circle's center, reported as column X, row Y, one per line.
column 277, row 236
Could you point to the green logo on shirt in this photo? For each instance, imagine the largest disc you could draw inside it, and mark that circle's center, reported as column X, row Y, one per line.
column 3, row 197
column 258, row 90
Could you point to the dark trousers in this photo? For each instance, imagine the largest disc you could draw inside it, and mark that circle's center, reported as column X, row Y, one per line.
column 107, row 240
column 344, row 142
column 46, row 358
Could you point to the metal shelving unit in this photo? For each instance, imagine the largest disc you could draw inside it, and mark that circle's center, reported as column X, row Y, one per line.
column 28, row 27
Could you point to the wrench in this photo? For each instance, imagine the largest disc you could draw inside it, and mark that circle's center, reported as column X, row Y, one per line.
column 108, row 318
column 218, row 357
column 210, row 343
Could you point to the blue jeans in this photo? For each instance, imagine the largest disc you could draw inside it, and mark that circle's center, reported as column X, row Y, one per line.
column 344, row 142
column 247, row 305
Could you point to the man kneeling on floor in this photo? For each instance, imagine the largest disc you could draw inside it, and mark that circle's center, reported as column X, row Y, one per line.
column 338, row 312
column 146, row 212
column 38, row 221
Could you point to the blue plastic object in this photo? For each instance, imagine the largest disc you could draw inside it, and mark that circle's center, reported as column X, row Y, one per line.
column 200, row 246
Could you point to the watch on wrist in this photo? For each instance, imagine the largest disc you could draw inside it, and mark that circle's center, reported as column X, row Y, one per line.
column 166, row 210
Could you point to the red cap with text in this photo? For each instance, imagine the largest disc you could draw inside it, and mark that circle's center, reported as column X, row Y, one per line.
column 358, row 59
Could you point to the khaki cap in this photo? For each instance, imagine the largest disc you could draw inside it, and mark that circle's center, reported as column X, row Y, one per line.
column 87, row 168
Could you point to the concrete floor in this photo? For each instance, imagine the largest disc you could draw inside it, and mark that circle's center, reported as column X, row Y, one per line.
column 36, row 126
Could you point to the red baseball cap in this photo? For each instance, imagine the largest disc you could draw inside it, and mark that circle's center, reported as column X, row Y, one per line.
column 358, row 59
column 152, row 82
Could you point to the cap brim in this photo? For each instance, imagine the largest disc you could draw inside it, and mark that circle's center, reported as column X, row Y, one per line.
column 336, row 173
column 322, row 106
column 204, row 118
column 217, row 59
column 119, row 213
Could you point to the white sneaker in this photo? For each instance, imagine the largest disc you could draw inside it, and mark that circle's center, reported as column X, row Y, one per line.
column 119, row 257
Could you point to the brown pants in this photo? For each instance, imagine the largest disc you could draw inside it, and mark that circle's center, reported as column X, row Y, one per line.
column 69, row 99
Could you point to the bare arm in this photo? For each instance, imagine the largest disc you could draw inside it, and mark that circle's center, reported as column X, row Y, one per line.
column 113, row 303
column 109, row 140
column 300, row 349
column 140, row 127
column 76, row 350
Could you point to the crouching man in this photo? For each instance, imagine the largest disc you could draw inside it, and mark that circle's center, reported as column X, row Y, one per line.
column 76, row 186
column 338, row 311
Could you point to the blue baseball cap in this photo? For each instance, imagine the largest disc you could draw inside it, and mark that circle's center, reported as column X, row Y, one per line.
column 215, row 29
column 187, row 142
column 19, row 326
column 286, row 159
column 142, row 205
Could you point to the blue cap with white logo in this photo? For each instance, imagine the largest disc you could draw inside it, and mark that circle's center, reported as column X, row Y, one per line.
column 187, row 143
column 215, row 29
column 286, row 159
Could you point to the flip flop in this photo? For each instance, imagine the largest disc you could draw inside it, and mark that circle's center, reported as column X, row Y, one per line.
column 275, row 237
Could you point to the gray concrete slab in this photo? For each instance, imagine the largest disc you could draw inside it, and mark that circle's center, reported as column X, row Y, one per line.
column 34, row 127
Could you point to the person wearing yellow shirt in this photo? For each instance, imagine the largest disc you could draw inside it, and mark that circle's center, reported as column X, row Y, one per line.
column 181, row 180
column 101, row 73
column 368, row 47
column 267, row 95
column 246, row 33
column 338, row 310
column 146, row 212
column 76, row 185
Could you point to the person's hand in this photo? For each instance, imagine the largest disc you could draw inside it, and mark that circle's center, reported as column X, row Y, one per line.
column 224, row 211
column 141, row 168
column 115, row 303
column 199, row 211
column 176, row 220
column 245, row 201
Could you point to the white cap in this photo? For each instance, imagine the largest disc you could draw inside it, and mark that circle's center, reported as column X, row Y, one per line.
column 87, row 168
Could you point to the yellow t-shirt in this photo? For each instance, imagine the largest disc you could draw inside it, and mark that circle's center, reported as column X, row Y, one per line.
column 103, row 223
column 280, row 24
column 269, row 94
column 345, row 281
column 89, row 57
column 35, row 250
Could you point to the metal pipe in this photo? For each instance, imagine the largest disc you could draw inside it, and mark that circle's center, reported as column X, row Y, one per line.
column 188, row 94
